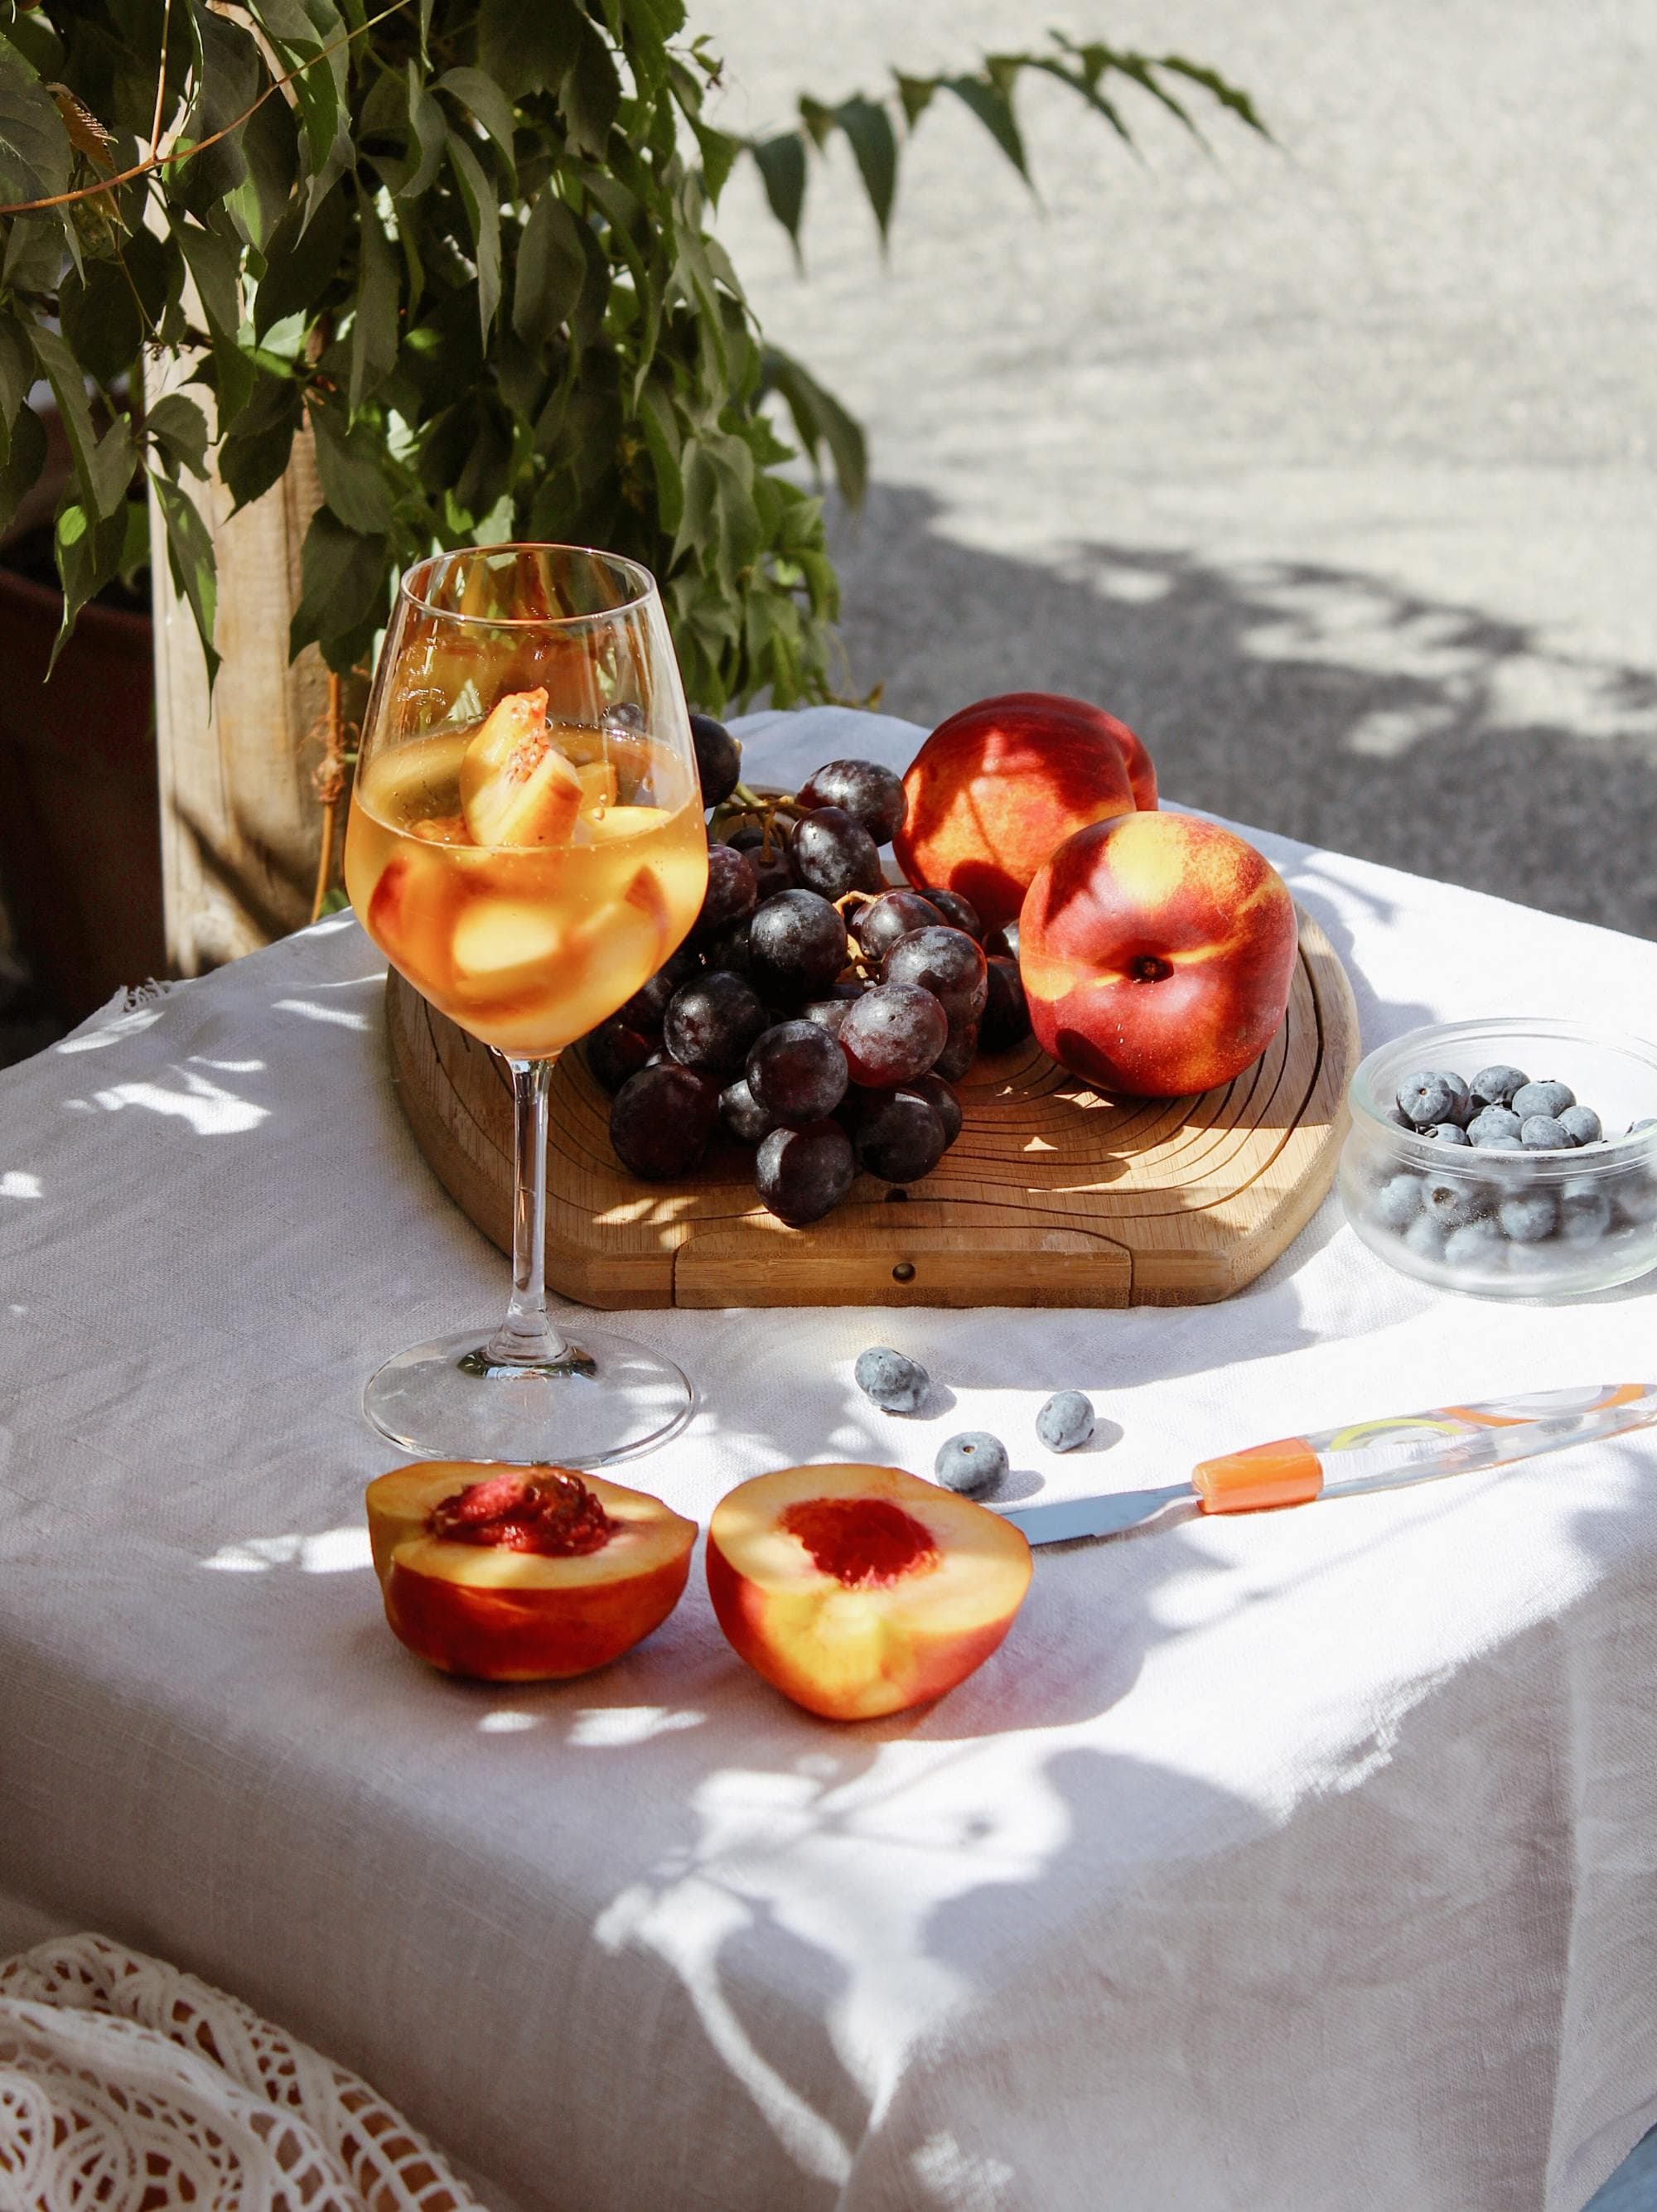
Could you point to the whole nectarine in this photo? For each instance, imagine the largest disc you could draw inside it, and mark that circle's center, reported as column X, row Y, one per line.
column 860, row 1590
column 1156, row 952
column 522, row 1574
column 996, row 787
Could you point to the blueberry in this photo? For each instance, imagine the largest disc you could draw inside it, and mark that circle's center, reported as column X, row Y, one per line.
column 1397, row 1202
column 1450, row 1133
column 1581, row 1124
column 1529, row 1216
column 1584, row 1210
column 1499, row 1143
column 1431, row 1097
column 1637, row 1199
column 1540, row 1132
column 1450, row 1199
column 1493, row 1121
column 1495, row 1086
column 973, row 1461
column 1399, row 1119
column 897, row 1385
column 1549, row 1097
column 1475, row 1243
column 1066, row 1420
column 1425, row 1238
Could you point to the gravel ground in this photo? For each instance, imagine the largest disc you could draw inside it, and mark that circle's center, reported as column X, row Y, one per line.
column 1325, row 463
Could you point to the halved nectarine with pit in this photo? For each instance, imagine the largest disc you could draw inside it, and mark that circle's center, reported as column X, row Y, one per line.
column 860, row 1590
column 516, row 785
column 522, row 1574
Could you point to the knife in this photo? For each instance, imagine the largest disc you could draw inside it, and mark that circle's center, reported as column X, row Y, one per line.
column 1380, row 1455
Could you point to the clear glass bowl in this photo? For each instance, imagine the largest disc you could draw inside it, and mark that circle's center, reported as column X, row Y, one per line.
column 1527, row 1224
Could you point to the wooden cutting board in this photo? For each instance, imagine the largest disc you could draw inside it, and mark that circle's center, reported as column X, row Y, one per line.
column 1053, row 1195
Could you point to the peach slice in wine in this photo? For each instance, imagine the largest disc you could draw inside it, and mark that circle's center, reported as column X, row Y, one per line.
column 522, row 1574
column 516, row 787
column 861, row 1590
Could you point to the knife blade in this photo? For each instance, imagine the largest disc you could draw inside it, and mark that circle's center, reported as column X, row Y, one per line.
column 1386, row 1453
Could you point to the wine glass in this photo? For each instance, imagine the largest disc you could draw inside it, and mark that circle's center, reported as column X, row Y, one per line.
column 526, row 846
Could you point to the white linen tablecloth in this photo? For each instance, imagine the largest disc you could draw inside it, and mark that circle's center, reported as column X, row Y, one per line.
column 1302, row 1861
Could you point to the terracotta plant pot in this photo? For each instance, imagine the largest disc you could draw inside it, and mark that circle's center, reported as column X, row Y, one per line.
column 80, row 836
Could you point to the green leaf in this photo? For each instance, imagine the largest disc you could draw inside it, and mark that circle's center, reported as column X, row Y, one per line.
column 190, row 557
column 255, row 453
column 350, row 464
column 103, row 467
column 88, row 553
column 430, row 135
column 991, row 105
column 551, row 269
column 267, row 143
column 373, row 321
column 528, row 49
column 35, row 155
column 17, row 373
column 483, row 215
column 719, row 150
column 344, row 579
column 178, row 427
column 34, row 254
column 301, row 262
column 1229, row 95
column 781, row 163
column 590, row 93
column 229, row 77
column 102, row 320
column 821, row 421
column 26, row 456
column 916, row 95
column 485, row 101
column 215, row 265
column 874, row 143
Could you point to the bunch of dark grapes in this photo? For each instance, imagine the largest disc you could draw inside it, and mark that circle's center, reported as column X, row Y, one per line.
column 816, row 1014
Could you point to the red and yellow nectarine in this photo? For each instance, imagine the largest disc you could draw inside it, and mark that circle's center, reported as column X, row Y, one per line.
column 861, row 1590
column 522, row 1574
column 1156, row 952
column 996, row 787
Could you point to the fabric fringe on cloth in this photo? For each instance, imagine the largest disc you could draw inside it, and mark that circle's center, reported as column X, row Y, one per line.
column 127, row 2085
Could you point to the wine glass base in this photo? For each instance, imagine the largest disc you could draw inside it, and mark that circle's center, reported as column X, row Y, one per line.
column 609, row 1400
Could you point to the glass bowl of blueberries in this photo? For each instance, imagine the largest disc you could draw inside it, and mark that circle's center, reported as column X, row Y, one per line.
column 1473, row 1164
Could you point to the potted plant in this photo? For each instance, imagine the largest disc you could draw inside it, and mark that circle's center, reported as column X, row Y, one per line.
column 463, row 254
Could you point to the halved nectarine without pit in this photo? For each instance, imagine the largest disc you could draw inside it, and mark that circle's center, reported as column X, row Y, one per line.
column 859, row 1590
column 522, row 1574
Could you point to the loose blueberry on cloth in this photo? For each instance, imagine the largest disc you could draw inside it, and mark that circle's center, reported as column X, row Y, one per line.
column 897, row 1384
column 1065, row 1421
column 973, row 1461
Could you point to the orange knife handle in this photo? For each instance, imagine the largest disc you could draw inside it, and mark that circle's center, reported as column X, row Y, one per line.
column 1287, row 1472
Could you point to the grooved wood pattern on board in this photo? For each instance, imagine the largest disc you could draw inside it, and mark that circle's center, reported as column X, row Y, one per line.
column 1052, row 1195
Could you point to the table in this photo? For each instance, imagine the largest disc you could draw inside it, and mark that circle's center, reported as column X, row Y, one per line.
column 1301, row 1862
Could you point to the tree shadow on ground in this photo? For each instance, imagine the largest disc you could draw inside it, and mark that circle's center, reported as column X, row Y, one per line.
column 1325, row 702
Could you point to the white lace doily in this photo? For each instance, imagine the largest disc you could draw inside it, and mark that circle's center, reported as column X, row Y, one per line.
column 129, row 2086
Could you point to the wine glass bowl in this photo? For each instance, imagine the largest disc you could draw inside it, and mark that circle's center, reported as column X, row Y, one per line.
column 527, row 845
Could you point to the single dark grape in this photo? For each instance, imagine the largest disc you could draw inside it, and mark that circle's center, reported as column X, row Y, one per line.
column 645, row 1009
column 946, row 962
column 727, row 948
column 803, row 1174
column 711, row 1022
column 1006, row 1019
column 942, row 1101
column 830, row 1013
column 893, row 1032
column 747, row 835
column 718, row 758
column 660, row 1120
column 615, row 1051
column 797, row 944
column 899, row 1135
column 742, row 1113
column 732, row 892
column 871, row 794
column 767, row 855
column 878, row 925
column 797, row 1072
column 957, row 1056
column 959, row 913
column 773, row 876
column 831, row 852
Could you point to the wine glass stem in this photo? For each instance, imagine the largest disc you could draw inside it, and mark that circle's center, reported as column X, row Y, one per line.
column 526, row 1335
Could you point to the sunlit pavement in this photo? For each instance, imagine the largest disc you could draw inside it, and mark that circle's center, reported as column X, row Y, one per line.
column 1329, row 466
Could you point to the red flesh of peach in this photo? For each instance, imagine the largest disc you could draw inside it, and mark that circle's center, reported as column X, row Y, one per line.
column 481, row 1580
column 858, row 1591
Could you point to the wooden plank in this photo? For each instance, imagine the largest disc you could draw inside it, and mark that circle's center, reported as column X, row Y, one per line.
column 1053, row 1195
